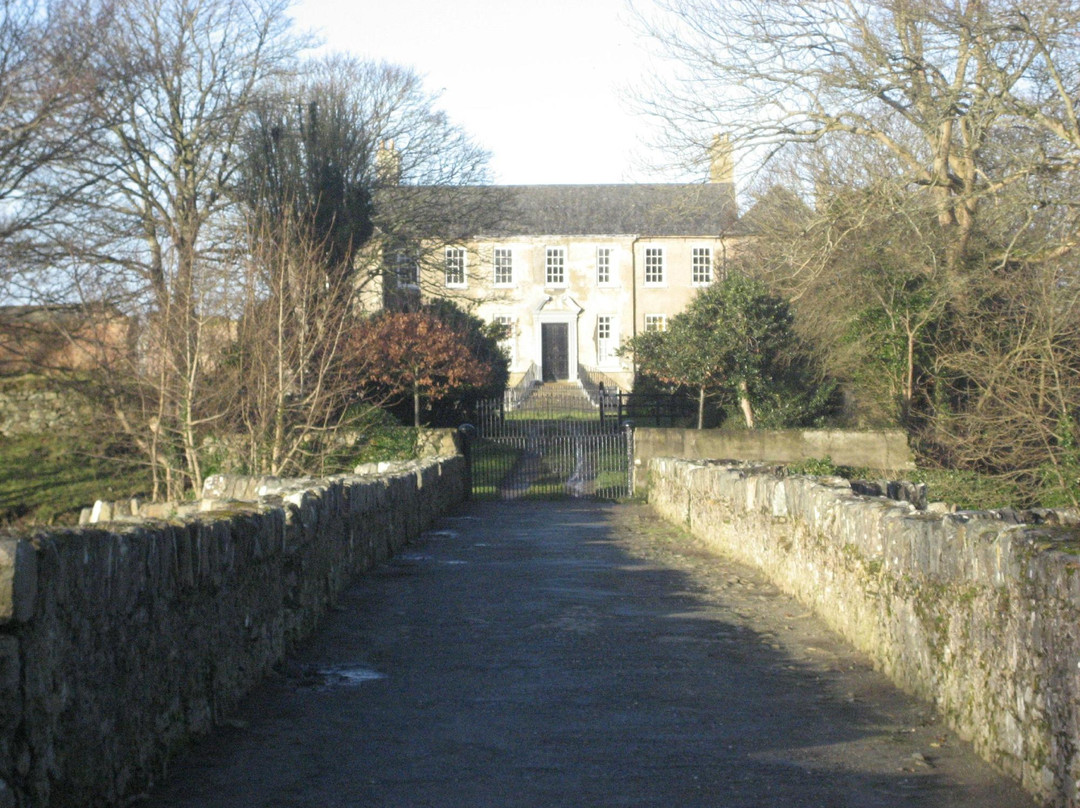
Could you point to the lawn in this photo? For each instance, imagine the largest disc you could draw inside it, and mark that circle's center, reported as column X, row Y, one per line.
column 49, row 478
column 532, row 471
column 491, row 462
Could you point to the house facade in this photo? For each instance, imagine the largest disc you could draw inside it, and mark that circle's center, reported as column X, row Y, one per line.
column 573, row 271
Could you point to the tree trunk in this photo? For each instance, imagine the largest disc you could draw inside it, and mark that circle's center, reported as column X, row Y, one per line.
column 909, row 377
column 416, row 407
column 701, row 407
column 744, row 404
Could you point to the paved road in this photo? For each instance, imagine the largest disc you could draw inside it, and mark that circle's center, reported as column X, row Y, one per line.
column 576, row 654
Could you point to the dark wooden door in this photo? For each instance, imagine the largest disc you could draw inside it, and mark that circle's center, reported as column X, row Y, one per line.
column 555, row 351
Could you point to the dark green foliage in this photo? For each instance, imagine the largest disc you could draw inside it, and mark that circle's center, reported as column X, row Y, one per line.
column 893, row 339
column 736, row 341
column 306, row 160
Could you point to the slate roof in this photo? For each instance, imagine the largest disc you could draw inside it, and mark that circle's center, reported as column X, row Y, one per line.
column 707, row 209
column 646, row 210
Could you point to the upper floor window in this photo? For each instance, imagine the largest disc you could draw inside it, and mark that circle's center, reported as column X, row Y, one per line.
column 603, row 265
column 702, row 267
column 654, row 265
column 455, row 266
column 555, row 267
column 656, row 322
column 503, row 261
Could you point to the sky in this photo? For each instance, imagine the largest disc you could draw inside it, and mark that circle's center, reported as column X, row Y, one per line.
column 541, row 84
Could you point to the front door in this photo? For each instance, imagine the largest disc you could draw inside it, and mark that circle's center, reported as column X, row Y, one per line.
column 555, row 351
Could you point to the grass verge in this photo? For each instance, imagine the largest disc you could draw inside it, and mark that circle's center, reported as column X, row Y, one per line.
column 48, row 478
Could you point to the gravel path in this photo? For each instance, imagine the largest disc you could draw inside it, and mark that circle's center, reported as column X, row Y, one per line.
column 576, row 654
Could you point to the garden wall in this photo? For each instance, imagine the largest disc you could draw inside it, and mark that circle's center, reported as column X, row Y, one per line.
column 29, row 405
column 879, row 449
column 975, row 613
column 119, row 642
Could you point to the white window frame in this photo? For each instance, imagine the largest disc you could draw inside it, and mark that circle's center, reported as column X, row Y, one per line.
column 702, row 270
column 607, row 346
column 455, row 266
column 550, row 264
column 502, row 263
column 656, row 322
column 509, row 344
column 406, row 269
column 603, row 266
column 654, row 265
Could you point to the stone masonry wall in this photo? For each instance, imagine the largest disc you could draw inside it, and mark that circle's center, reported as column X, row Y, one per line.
column 120, row 641
column 877, row 449
column 977, row 615
column 33, row 408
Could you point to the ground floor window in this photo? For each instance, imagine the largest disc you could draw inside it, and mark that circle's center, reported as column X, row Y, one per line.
column 606, row 339
column 656, row 322
column 405, row 268
column 506, row 344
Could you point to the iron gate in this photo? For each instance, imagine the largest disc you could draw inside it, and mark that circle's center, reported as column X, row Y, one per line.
column 552, row 444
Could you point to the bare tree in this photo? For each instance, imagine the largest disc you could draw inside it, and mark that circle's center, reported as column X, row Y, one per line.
column 46, row 76
column 935, row 148
column 341, row 162
column 936, row 84
column 291, row 394
column 153, row 231
column 360, row 152
column 225, row 211
column 863, row 265
column 1012, row 403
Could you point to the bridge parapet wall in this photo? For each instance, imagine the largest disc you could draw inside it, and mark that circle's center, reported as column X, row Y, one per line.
column 877, row 449
column 120, row 641
column 979, row 616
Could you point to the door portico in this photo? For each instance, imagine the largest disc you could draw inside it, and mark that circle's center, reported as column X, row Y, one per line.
column 556, row 338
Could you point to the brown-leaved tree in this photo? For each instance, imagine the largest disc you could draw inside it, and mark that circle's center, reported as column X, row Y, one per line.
column 416, row 355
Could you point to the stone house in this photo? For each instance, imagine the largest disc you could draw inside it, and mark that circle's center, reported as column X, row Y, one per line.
column 573, row 271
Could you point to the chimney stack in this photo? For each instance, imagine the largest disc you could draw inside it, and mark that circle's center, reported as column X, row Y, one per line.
column 721, row 162
column 387, row 163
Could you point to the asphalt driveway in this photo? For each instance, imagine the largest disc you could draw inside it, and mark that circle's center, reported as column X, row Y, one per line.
column 576, row 654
